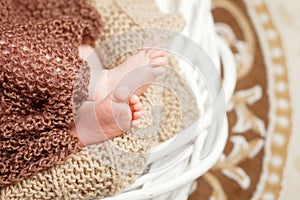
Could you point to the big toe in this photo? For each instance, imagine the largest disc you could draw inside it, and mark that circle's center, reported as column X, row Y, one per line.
column 156, row 54
column 160, row 61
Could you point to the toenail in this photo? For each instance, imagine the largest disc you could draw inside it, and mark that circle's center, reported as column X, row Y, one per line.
column 134, row 99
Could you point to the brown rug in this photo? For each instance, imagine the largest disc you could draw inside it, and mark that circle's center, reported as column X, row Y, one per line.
column 252, row 166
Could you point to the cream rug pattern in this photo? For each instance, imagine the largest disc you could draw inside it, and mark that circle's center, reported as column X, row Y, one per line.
column 261, row 126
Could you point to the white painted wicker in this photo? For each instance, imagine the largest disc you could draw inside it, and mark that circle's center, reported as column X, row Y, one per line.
column 177, row 180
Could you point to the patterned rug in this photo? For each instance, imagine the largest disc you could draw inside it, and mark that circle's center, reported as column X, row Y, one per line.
column 253, row 163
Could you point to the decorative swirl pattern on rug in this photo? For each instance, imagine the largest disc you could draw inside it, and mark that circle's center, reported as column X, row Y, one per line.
column 252, row 164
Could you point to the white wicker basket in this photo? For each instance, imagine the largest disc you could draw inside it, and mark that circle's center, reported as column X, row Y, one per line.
column 176, row 180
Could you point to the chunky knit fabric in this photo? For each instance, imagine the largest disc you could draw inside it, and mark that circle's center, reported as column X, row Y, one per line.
column 39, row 63
column 129, row 17
column 107, row 168
column 104, row 169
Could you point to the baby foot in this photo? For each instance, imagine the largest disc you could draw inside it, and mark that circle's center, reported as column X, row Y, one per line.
column 117, row 113
column 104, row 119
column 136, row 73
column 139, row 71
column 111, row 110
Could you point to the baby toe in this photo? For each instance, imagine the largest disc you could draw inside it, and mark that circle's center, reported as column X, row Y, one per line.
column 135, row 123
column 137, row 115
column 160, row 61
column 138, row 106
column 134, row 99
column 157, row 53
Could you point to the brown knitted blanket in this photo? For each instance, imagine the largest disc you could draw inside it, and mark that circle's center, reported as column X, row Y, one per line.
column 107, row 168
column 39, row 61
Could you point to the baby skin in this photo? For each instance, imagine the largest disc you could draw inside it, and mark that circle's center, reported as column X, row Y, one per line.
column 113, row 106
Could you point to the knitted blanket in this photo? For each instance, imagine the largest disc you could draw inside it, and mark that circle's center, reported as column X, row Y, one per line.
column 39, row 62
column 104, row 169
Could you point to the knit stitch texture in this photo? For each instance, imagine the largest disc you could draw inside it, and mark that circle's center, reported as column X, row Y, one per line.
column 39, row 62
column 105, row 169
